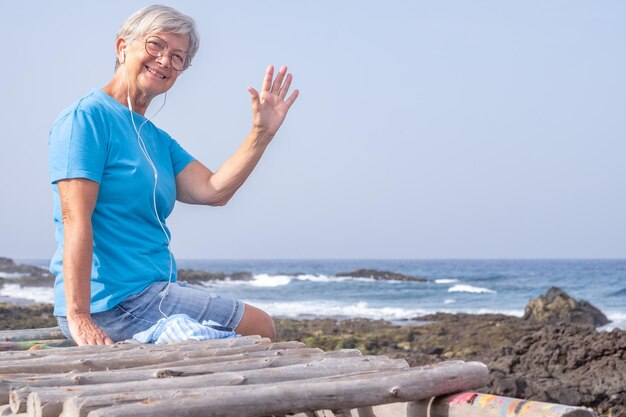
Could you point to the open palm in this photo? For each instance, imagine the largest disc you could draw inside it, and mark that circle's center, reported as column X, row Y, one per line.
column 270, row 107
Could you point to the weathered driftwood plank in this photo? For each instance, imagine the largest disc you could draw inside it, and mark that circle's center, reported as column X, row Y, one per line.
column 115, row 355
column 296, row 396
column 18, row 400
column 31, row 334
column 472, row 404
column 124, row 375
column 66, row 351
column 213, row 365
column 365, row 412
column 200, row 359
column 133, row 348
column 161, row 370
column 50, row 400
column 117, row 360
column 34, row 344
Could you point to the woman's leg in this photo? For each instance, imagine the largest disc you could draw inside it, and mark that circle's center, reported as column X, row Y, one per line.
column 200, row 304
column 256, row 322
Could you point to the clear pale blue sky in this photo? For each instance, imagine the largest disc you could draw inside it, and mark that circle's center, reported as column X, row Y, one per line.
column 424, row 129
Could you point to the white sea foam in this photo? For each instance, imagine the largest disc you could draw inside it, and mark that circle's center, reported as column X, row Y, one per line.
column 470, row 289
column 12, row 275
column 37, row 294
column 265, row 280
column 336, row 309
column 446, row 281
column 268, row 280
column 319, row 278
column 618, row 321
column 516, row 313
column 449, row 301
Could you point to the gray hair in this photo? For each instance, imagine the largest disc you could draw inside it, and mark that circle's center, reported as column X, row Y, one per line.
column 163, row 19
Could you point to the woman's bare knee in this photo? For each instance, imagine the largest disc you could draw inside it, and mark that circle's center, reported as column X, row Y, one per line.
column 256, row 322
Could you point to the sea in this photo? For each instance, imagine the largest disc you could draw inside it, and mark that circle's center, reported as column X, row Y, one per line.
column 304, row 289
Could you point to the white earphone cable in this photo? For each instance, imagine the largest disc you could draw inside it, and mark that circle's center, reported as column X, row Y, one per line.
column 144, row 151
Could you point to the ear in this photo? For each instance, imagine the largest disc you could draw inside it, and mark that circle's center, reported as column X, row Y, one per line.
column 121, row 46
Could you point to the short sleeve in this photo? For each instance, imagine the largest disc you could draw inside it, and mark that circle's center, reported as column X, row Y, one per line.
column 77, row 147
column 180, row 157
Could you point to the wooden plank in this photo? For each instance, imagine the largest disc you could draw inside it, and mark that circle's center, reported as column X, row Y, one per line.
column 116, row 360
column 18, row 399
column 211, row 365
column 365, row 412
column 473, row 404
column 289, row 397
column 35, row 344
column 21, row 335
column 50, row 400
column 102, row 351
column 200, row 359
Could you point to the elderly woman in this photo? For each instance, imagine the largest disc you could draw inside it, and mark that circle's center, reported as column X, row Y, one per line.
column 115, row 178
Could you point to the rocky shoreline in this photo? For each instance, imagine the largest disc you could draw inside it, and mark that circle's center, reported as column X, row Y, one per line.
column 553, row 353
column 565, row 361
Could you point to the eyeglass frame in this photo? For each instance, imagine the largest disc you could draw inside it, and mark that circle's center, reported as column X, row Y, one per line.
column 165, row 51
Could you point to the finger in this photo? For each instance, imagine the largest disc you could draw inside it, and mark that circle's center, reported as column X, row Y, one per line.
column 276, row 85
column 254, row 95
column 292, row 98
column 285, row 87
column 267, row 81
column 108, row 341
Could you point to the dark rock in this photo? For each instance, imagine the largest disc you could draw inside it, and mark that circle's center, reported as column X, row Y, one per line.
column 567, row 364
column 6, row 263
column 557, row 306
column 29, row 276
column 380, row 275
column 26, row 317
column 196, row 277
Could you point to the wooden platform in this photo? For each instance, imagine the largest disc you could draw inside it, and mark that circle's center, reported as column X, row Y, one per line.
column 246, row 376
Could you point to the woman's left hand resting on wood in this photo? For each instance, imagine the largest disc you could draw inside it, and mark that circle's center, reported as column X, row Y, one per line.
column 196, row 184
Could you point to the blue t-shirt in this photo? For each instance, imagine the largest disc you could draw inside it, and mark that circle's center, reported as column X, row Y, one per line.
column 95, row 139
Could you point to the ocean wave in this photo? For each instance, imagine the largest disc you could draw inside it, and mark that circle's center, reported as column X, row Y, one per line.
column 361, row 309
column 320, row 278
column 36, row 294
column 619, row 293
column 449, row 301
column 618, row 321
column 265, row 280
column 446, row 281
column 470, row 289
column 269, row 280
column 516, row 313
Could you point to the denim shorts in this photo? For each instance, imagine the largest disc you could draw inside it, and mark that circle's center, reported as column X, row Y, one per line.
column 140, row 311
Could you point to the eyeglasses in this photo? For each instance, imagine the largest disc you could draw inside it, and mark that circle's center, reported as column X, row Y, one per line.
column 157, row 47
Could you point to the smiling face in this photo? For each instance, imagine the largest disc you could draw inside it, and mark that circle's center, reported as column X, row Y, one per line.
column 149, row 75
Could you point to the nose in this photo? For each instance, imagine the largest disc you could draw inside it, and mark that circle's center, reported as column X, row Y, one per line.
column 165, row 59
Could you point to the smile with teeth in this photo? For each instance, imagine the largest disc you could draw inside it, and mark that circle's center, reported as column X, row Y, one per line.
column 151, row 71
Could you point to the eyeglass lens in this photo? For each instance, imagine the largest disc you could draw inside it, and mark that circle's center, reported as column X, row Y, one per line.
column 157, row 47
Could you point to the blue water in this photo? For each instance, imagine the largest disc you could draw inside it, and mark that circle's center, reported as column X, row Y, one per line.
column 308, row 288
column 472, row 286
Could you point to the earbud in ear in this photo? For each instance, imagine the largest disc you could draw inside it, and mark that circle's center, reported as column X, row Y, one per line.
column 123, row 57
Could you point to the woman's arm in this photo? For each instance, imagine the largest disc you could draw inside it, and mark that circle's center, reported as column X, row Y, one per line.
column 78, row 200
column 196, row 184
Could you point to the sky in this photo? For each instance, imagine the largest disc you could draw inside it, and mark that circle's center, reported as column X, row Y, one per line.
column 424, row 129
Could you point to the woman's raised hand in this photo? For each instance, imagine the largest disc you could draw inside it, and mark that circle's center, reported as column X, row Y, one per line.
column 270, row 107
